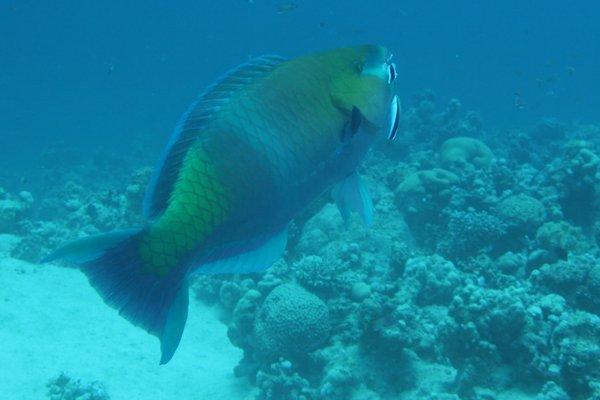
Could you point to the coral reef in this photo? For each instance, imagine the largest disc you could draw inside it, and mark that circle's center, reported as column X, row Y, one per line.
column 576, row 279
column 561, row 238
column 290, row 322
column 521, row 212
column 480, row 278
column 493, row 279
column 463, row 152
column 13, row 208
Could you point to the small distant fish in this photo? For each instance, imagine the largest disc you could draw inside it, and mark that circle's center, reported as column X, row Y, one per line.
column 518, row 101
column 543, row 83
column 247, row 157
column 540, row 83
column 570, row 70
column 286, row 8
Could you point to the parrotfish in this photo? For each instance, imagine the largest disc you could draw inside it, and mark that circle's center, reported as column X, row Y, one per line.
column 247, row 157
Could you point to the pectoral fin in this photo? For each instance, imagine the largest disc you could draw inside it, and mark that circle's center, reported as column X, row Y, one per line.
column 352, row 125
column 351, row 195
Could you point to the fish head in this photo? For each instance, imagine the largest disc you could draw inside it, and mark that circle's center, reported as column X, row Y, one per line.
column 364, row 77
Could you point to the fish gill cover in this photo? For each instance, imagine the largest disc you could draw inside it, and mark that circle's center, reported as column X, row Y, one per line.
column 478, row 278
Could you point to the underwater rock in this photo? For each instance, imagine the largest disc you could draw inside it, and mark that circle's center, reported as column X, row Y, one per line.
column 392, row 324
column 434, row 183
column 26, row 197
column 577, row 352
column 231, row 291
column 421, row 197
column 338, row 381
column 534, row 361
column 432, row 278
column 442, row 396
column 274, row 276
column 577, row 280
column 537, row 258
column 206, row 288
column 582, row 160
column 488, row 324
column 11, row 211
column 561, row 238
column 360, row 291
column 522, row 212
column 240, row 329
column 510, row 263
column 63, row 387
column 345, row 373
column 551, row 391
column 136, row 189
column 400, row 254
column 596, row 233
column 281, row 382
column 463, row 152
column 576, row 179
column 290, row 322
column 365, row 394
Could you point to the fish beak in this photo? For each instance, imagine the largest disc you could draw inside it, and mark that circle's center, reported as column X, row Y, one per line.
column 395, row 109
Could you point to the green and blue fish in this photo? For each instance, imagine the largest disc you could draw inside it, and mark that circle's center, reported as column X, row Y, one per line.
column 246, row 158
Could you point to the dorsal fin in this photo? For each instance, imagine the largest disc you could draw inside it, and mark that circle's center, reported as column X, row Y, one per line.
column 190, row 126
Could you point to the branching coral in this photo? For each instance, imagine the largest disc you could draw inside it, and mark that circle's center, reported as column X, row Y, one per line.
column 471, row 231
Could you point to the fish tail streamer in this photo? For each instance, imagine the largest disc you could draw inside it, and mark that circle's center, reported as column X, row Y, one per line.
column 156, row 302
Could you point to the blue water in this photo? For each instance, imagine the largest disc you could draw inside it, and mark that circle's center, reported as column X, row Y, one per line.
column 90, row 71
column 91, row 91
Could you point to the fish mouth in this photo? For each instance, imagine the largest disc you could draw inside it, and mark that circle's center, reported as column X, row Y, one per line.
column 395, row 109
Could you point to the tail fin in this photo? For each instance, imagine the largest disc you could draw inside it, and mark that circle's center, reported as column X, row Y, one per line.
column 157, row 303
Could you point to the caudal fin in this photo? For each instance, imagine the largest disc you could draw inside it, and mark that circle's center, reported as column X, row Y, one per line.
column 158, row 303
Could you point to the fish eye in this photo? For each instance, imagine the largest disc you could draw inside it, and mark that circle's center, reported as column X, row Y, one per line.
column 391, row 72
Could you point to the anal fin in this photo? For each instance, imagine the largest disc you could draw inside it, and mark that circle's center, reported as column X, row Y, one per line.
column 255, row 256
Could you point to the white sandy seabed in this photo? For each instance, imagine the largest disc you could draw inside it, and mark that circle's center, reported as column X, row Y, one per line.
column 52, row 320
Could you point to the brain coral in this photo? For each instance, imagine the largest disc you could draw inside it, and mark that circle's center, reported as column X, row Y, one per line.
column 521, row 211
column 434, row 182
column 290, row 322
column 464, row 151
